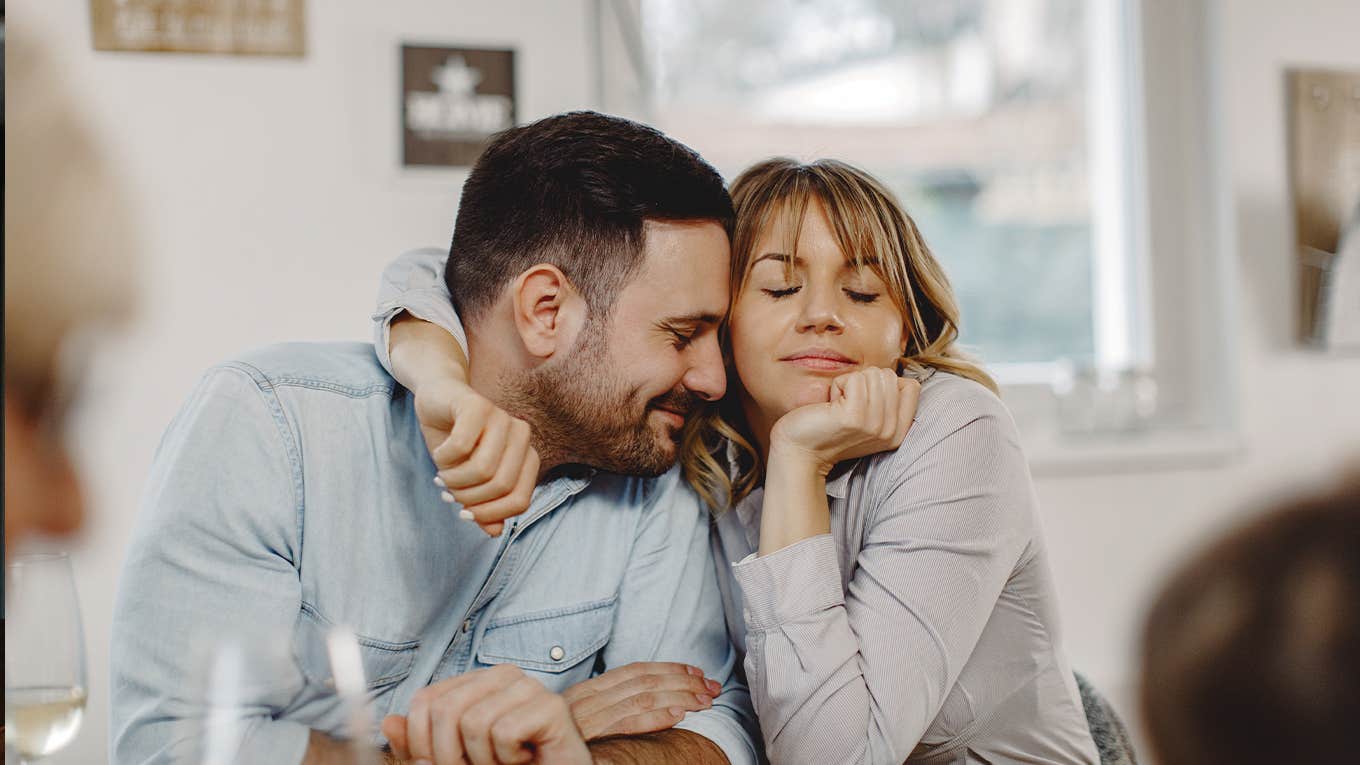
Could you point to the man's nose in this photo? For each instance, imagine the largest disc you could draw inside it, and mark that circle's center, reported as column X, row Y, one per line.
column 706, row 377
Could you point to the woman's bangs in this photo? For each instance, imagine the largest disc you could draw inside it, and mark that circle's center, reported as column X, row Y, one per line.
column 863, row 235
column 781, row 213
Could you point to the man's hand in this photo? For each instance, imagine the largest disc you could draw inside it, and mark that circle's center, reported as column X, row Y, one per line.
column 483, row 456
column 488, row 717
column 642, row 697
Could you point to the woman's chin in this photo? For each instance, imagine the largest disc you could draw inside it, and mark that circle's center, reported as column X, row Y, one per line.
column 810, row 392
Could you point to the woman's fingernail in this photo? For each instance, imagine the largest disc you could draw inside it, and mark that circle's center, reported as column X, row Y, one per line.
column 466, row 515
column 676, row 711
column 713, row 686
column 695, row 671
column 440, row 482
column 704, row 700
column 446, row 496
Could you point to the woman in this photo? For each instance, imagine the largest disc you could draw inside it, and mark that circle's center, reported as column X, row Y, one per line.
column 893, row 602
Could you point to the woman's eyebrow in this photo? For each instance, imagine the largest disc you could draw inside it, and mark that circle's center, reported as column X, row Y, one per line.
column 782, row 257
column 854, row 264
column 851, row 264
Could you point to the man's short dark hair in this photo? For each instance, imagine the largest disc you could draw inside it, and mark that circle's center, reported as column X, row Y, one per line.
column 573, row 190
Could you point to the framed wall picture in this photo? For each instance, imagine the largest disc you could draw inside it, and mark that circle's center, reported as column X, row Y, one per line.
column 453, row 101
column 1324, row 159
column 231, row 27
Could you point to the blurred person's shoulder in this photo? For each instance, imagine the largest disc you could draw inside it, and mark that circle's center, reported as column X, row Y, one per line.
column 343, row 368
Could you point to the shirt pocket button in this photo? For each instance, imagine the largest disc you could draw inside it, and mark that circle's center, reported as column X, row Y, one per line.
column 557, row 653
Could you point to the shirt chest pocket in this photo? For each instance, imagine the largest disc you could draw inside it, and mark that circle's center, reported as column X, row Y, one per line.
column 385, row 663
column 553, row 640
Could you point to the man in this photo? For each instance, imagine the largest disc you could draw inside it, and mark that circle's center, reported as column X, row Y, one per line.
column 294, row 493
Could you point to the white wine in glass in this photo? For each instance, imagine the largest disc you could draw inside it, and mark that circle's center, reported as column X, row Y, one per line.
column 44, row 656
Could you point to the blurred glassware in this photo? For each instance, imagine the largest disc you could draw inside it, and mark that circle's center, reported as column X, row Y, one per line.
column 1102, row 401
column 347, row 667
column 45, row 687
column 226, row 699
column 246, row 671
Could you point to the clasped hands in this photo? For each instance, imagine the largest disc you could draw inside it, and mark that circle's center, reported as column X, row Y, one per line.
column 501, row 716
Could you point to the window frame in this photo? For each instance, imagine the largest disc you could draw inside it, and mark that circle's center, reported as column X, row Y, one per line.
column 1170, row 224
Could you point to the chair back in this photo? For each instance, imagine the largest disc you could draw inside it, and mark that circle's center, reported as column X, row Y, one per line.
column 1112, row 739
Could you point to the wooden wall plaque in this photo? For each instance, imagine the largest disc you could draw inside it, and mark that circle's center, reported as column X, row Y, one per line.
column 231, row 27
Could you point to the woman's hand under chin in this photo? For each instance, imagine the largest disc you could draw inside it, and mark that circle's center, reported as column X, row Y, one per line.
column 868, row 411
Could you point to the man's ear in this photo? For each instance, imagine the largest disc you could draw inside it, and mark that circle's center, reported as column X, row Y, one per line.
column 548, row 310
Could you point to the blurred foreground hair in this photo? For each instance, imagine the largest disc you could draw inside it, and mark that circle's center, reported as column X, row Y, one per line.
column 1252, row 652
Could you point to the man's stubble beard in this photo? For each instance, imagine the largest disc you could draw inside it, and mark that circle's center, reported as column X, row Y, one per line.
column 581, row 412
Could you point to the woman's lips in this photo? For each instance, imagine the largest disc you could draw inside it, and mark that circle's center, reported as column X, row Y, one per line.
column 820, row 361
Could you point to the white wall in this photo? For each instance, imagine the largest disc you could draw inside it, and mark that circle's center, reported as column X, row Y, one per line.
column 258, row 231
column 272, row 198
column 1114, row 536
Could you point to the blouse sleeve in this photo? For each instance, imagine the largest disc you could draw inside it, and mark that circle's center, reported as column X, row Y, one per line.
column 414, row 283
column 858, row 674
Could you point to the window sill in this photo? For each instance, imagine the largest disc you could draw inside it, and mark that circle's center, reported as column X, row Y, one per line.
column 1152, row 450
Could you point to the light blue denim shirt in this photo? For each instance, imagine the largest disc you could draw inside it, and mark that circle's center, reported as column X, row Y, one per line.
column 294, row 491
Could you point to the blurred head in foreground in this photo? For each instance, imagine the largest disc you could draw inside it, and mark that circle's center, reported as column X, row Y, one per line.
column 1252, row 652
column 67, row 252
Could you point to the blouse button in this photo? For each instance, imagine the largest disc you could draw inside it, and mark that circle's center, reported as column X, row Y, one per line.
column 557, row 653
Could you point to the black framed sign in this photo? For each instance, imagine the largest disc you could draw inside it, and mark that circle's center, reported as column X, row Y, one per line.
column 453, row 101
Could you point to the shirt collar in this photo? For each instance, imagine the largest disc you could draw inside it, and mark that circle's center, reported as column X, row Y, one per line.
column 559, row 485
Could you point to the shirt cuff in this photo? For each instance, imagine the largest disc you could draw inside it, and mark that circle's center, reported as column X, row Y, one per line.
column 725, row 732
column 790, row 584
column 432, row 305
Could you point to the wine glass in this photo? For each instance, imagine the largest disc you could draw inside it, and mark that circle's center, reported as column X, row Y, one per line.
column 44, row 656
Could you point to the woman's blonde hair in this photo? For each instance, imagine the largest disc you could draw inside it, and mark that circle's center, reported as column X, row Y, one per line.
column 874, row 232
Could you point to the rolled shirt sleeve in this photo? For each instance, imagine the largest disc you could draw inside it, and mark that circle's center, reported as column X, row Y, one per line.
column 857, row 673
column 414, row 283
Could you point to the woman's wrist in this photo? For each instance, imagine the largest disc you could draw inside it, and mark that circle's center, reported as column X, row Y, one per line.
column 795, row 505
column 793, row 459
column 424, row 354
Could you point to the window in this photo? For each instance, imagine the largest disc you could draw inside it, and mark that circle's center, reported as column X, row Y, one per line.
column 980, row 115
column 1016, row 134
